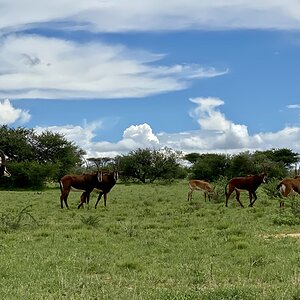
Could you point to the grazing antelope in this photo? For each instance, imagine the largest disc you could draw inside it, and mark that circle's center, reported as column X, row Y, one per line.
column 288, row 187
column 3, row 170
column 85, row 182
column 200, row 185
column 249, row 183
column 107, row 183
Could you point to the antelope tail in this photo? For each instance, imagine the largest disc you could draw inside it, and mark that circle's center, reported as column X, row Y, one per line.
column 60, row 185
column 226, row 189
column 281, row 187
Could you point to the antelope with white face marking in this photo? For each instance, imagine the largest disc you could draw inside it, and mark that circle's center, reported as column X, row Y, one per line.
column 3, row 170
column 85, row 182
column 200, row 185
column 108, row 180
column 289, row 187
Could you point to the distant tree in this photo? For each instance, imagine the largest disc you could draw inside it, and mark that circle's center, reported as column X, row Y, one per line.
column 265, row 163
column 210, row 166
column 136, row 164
column 56, row 149
column 241, row 164
column 101, row 162
column 276, row 163
column 150, row 165
column 166, row 165
column 192, row 157
column 18, row 144
column 35, row 158
column 285, row 156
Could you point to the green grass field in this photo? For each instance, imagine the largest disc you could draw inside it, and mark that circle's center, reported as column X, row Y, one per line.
column 148, row 243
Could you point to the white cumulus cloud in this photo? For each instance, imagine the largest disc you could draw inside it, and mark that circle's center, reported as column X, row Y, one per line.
column 141, row 134
column 135, row 136
column 215, row 134
column 218, row 134
column 9, row 114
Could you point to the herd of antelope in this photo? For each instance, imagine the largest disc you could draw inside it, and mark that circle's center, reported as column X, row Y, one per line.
column 250, row 183
column 104, row 181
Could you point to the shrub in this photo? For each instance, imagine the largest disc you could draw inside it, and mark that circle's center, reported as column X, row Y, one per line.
column 270, row 188
column 9, row 221
column 219, row 189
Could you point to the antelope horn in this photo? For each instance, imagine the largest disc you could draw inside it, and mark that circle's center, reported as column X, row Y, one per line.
column 2, row 157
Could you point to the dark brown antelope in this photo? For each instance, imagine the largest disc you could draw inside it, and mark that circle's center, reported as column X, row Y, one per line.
column 249, row 183
column 108, row 181
column 288, row 187
column 200, row 185
column 85, row 182
column 3, row 170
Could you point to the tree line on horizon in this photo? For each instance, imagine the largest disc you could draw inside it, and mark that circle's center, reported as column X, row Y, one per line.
column 36, row 159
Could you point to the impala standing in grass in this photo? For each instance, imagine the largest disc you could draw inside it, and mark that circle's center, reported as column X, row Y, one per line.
column 200, row 185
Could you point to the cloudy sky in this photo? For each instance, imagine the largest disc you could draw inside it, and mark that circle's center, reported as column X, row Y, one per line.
column 114, row 75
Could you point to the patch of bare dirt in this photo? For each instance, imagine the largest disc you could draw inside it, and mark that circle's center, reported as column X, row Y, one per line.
column 283, row 235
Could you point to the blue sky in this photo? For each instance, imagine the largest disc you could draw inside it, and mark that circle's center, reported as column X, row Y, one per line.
column 112, row 76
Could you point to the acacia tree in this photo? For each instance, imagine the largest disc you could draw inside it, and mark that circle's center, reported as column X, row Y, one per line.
column 150, row 165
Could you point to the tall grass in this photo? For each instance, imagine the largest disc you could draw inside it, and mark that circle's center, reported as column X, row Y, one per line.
column 148, row 243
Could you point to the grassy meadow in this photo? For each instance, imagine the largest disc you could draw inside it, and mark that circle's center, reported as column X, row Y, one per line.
column 148, row 243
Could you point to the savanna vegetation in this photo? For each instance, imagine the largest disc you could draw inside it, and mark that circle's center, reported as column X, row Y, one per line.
column 149, row 242
column 36, row 159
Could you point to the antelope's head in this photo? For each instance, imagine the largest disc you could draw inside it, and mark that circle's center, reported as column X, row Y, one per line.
column 3, row 170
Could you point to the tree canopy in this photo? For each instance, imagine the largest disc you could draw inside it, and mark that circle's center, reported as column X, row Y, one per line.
column 150, row 165
column 276, row 162
column 34, row 158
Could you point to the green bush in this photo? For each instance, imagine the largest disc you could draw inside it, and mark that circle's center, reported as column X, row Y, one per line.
column 29, row 175
column 219, row 189
column 270, row 188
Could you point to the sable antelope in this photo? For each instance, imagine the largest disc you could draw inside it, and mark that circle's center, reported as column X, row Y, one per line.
column 104, row 186
column 3, row 170
column 288, row 187
column 200, row 185
column 85, row 182
column 249, row 183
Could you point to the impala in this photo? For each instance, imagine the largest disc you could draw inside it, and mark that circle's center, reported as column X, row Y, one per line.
column 200, row 185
